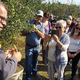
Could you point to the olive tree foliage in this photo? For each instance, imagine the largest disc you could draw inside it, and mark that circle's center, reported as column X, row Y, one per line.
column 20, row 11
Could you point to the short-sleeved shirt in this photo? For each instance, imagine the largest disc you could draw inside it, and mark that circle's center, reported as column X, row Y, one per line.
column 32, row 38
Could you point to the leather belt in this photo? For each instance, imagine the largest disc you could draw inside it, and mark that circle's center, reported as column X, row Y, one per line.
column 31, row 45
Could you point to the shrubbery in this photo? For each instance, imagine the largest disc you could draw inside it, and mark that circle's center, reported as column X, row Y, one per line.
column 20, row 11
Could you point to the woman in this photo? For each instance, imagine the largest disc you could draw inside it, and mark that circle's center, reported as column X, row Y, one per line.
column 74, row 48
column 47, row 26
column 45, row 21
column 53, row 25
column 57, row 52
column 68, row 29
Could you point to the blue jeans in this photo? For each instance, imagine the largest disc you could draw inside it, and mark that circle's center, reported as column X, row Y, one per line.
column 31, row 60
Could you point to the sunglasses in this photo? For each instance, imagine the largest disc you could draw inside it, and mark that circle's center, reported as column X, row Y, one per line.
column 77, row 28
column 46, row 16
column 53, row 24
column 58, row 27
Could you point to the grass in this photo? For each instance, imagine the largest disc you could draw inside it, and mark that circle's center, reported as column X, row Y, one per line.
column 42, row 69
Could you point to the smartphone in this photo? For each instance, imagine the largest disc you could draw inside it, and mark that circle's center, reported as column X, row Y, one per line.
column 56, row 32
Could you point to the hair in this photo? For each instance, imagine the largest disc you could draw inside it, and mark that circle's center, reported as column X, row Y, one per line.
column 73, row 30
column 47, row 14
column 69, row 21
column 2, row 4
column 53, row 21
column 61, row 22
column 74, row 18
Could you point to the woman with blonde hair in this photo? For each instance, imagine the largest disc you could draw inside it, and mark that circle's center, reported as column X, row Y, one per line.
column 68, row 29
column 74, row 48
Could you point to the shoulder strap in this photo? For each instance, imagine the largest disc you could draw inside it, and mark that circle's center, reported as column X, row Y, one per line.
column 49, row 24
column 49, row 31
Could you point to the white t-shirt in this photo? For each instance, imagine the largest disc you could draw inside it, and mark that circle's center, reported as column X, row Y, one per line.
column 74, row 45
column 52, row 48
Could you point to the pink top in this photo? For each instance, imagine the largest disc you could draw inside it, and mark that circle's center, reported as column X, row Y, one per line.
column 47, row 27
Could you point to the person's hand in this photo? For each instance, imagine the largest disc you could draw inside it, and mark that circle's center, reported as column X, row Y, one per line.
column 47, row 37
column 55, row 37
column 44, row 47
column 9, row 53
column 69, row 55
column 23, row 33
column 17, row 55
column 73, row 55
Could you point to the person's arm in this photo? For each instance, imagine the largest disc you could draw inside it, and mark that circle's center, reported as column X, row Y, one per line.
column 64, row 47
column 23, row 33
column 55, row 37
column 40, row 34
column 61, row 46
column 8, row 67
column 78, row 51
column 46, row 39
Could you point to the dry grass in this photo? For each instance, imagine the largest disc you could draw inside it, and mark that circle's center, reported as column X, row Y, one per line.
column 42, row 69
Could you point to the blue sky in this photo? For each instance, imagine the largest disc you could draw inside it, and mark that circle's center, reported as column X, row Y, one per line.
column 66, row 1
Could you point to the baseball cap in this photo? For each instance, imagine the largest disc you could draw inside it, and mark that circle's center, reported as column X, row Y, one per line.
column 51, row 15
column 40, row 13
column 69, row 17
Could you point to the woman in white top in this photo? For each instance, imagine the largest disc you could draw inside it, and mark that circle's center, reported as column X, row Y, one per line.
column 74, row 48
column 57, row 53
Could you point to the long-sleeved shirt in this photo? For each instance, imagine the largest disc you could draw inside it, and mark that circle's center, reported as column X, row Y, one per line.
column 7, row 67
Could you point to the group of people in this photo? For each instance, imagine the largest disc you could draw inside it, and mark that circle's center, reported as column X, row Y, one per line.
column 62, row 46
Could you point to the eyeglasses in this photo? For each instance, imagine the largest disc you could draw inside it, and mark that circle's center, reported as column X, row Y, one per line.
column 53, row 24
column 77, row 28
column 46, row 16
column 58, row 27
column 3, row 20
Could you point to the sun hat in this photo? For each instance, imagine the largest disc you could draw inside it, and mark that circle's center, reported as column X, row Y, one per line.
column 39, row 13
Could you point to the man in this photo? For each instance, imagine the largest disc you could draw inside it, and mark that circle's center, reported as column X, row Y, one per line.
column 7, row 67
column 51, row 18
column 69, row 17
column 32, row 49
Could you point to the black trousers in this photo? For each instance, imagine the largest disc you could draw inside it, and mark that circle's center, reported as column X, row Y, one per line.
column 74, row 63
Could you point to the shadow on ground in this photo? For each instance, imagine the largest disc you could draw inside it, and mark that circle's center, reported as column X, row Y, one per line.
column 23, row 63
